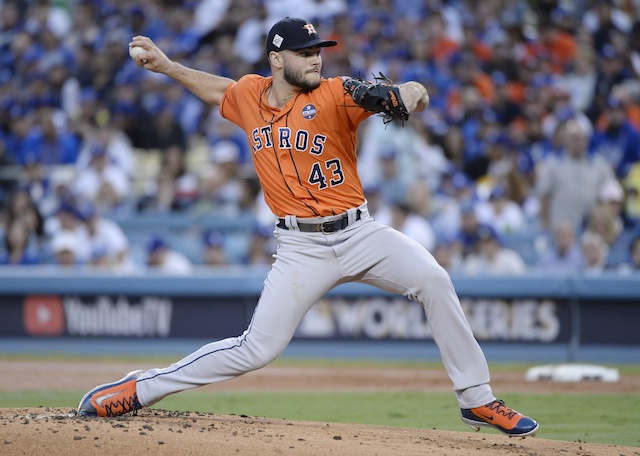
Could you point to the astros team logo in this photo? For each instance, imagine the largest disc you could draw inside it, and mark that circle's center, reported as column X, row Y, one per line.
column 309, row 112
column 310, row 29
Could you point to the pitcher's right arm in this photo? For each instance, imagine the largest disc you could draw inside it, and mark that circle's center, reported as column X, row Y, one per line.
column 208, row 87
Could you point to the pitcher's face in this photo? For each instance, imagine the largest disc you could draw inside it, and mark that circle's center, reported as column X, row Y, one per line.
column 302, row 68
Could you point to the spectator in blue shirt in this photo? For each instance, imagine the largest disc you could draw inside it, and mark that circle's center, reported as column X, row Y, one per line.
column 616, row 139
column 52, row 146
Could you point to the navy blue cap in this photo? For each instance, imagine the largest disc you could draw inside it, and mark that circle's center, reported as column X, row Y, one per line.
column 460, row 180
column 68, row 207
column 213, row 239
column 487, row 232
column 86, row 210
column 156, row 243
column 293, row 33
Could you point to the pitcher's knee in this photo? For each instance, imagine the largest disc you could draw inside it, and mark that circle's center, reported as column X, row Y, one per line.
column 263, row 351
column 435, row 281
column 435, row 277
column 441, row 278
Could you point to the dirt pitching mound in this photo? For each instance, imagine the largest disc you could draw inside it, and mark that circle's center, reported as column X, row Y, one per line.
column 59, row 431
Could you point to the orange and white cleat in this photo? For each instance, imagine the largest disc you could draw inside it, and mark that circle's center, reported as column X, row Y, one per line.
column 112, row 399
column 498, row 416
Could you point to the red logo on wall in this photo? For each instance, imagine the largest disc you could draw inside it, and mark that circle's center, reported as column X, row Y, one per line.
column 43, row 316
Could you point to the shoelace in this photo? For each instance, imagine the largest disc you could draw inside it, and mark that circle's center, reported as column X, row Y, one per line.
column 126, row 405
column 499, row 407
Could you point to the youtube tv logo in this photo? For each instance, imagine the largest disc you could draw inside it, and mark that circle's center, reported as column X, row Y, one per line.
column 43, row 316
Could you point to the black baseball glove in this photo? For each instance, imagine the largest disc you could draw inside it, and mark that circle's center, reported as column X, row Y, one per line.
column 380, row 97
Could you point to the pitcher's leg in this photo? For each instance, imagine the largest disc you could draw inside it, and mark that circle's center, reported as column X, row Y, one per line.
column 211, row 363
column 406, row 268
column 291, row 288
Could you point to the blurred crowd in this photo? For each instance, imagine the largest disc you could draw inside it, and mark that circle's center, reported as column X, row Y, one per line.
column 528, row 157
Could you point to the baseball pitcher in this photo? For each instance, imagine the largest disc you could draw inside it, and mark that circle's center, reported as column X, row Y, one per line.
column 302, row 129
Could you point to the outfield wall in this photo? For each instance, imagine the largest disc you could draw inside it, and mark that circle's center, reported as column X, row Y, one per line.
column 602, row 310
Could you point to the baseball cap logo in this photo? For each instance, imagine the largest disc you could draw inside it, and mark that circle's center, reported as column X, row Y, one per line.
column 310, row 29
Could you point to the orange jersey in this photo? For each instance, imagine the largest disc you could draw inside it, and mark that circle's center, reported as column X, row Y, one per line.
column 305, row 152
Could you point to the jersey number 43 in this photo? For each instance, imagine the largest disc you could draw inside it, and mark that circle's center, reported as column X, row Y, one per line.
column 332, row 168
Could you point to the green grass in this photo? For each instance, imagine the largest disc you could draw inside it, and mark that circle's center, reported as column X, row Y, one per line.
column 593, row 418
column 287, row 361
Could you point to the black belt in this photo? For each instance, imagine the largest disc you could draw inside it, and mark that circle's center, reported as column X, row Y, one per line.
column 330, row 226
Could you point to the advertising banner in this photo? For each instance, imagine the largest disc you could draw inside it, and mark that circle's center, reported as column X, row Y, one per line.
column 336, row 317
column 120, row 316
column 529, row 320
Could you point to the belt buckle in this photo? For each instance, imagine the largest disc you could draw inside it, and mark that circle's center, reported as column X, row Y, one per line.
column 332, row 226
column 327, row 227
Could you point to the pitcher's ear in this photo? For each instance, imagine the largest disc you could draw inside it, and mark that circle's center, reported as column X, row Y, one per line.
column 275, row 59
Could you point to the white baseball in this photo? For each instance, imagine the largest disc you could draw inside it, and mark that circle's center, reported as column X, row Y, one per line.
column 134, row 51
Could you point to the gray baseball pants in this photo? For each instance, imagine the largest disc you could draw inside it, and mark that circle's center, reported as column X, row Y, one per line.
column 307, row 265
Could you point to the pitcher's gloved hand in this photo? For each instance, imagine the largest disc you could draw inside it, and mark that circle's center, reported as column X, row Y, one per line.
column 380, row 97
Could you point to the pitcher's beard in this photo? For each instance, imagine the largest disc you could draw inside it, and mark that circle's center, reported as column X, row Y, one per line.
column 298, row 80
